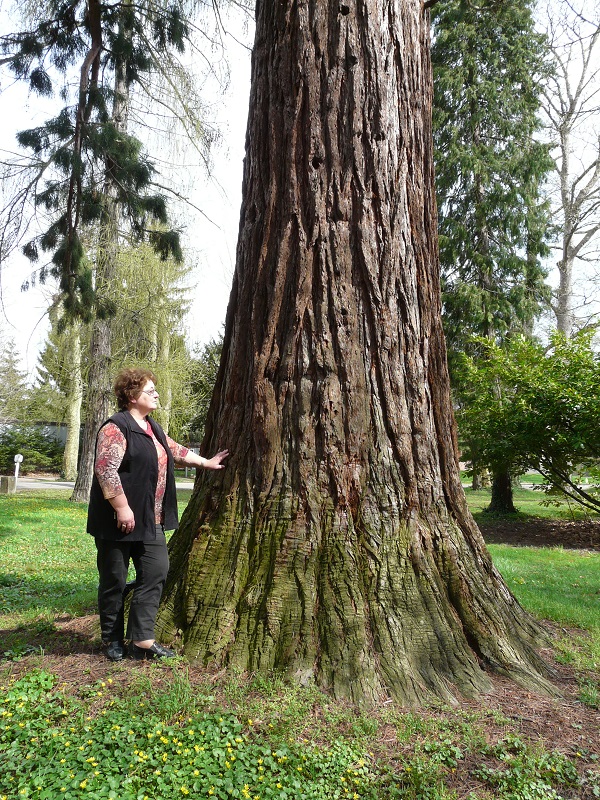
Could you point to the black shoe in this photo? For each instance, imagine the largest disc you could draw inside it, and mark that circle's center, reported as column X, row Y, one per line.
column 116, row 651
column 154, row 651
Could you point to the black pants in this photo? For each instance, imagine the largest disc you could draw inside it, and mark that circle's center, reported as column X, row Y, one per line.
column 151, row 562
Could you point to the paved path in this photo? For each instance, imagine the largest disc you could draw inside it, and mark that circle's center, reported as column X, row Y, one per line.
column 26, row 484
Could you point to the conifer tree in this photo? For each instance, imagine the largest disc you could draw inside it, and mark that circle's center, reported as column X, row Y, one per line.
column 83, row 160
column 488, row 64
column 14, row 391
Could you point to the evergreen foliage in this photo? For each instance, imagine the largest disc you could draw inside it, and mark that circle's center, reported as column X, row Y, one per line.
column 40, row 450
column 204, row 375
column 488, row 63
column 83, row 154
column 14, row 391
column 149, row 307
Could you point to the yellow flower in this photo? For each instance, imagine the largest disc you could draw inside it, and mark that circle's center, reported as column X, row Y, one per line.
column 83, row 784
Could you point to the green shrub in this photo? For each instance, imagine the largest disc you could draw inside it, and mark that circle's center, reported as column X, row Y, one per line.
column 40, row 450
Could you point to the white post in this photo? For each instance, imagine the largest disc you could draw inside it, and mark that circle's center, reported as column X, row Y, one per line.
column 18, row 459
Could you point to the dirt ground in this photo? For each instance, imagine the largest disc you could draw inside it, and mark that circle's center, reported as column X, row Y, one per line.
column 561, row 723
column 578, row 535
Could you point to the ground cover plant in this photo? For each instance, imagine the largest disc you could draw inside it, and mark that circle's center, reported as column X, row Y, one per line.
column 74, row 725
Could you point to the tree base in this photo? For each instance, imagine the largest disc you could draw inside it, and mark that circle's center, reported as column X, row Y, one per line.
column 352, row 614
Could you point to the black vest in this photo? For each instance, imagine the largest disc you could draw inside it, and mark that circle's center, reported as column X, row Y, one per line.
column 139, row 476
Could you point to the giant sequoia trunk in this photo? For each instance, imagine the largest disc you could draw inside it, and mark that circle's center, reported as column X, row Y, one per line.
column 337, row 545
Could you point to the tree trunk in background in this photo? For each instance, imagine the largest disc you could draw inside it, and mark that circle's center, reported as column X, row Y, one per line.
column 481, row 478
column 98, row 405
column 100, row 374
column 502, row 493
column 165, row 386
column 74, row 399
column 337, row 546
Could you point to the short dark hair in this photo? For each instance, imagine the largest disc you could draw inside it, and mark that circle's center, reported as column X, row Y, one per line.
column 129, row 383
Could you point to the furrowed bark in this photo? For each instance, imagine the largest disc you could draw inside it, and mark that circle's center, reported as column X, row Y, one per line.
column 337, row 546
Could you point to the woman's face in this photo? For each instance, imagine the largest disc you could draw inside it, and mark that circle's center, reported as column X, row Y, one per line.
column 147, row 400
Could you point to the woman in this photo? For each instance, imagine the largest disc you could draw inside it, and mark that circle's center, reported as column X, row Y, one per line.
column 132, row 502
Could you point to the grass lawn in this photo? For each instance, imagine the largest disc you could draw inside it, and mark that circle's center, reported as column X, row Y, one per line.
column 529, row 503
column 167, row 732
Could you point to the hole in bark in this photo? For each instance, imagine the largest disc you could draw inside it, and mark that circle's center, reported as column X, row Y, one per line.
column 345, row 10
column 316, row 162
column 352, row 61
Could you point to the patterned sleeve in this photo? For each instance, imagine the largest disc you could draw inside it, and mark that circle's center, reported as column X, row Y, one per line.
column 109, row 454
column 178, row 451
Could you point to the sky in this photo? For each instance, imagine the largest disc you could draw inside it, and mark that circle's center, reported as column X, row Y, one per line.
column 209, row 245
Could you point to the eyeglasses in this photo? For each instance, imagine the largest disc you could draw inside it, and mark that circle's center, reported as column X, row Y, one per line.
column 149, row 391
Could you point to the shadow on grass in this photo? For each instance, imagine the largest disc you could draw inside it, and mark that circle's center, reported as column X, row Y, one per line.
column 21, row 594
column 65, row 636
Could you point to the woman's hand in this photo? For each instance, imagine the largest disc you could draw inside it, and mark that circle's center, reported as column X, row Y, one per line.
column 125, row 519
column 216, row 461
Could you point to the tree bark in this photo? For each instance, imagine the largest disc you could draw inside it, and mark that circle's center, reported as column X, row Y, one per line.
column 337, row 546
column 74, row 400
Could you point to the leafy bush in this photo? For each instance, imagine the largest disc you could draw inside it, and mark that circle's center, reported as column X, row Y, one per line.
column 40, row 450
column 525, row 406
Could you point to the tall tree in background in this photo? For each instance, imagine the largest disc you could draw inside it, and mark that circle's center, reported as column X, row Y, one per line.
column 14, row 391
column 205, row 369
column 61, row 365
column 150, row 304
column 337, row 546
column 488, row 63
column 572, row 110
column 148, row 327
